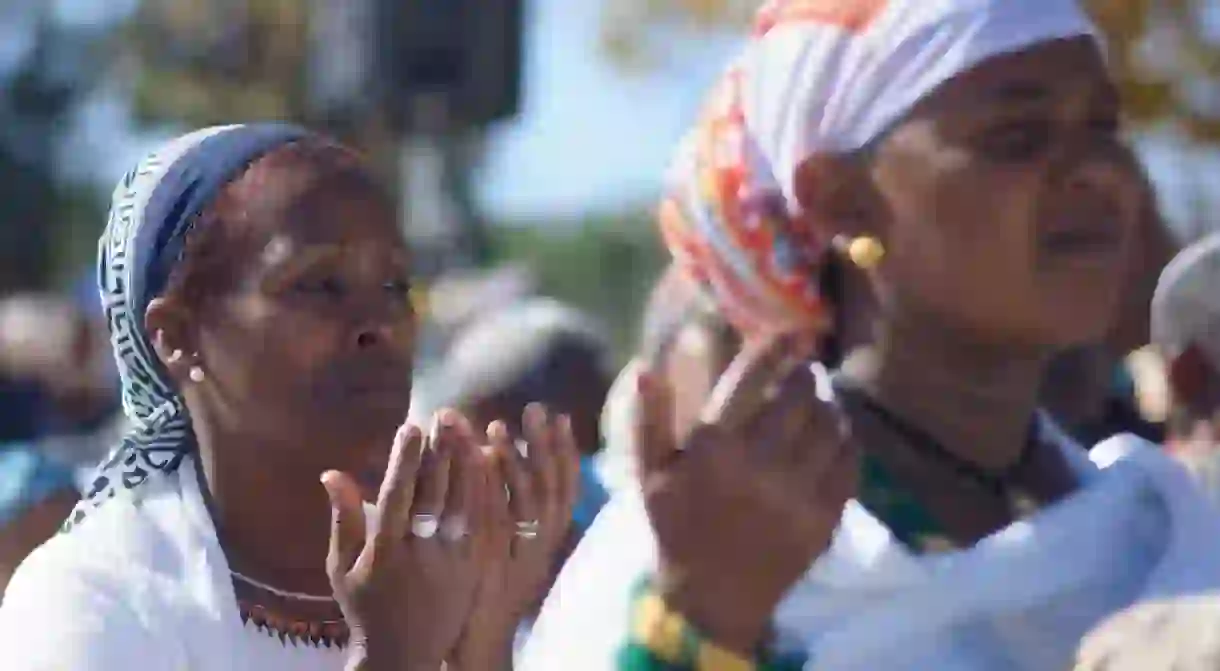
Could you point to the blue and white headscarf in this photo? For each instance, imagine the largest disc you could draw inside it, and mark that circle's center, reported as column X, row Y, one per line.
column 152, row 210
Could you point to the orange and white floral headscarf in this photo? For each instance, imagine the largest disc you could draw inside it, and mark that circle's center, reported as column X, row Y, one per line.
column 816, row 76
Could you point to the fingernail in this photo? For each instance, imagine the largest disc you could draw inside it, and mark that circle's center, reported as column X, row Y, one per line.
column 327, row 480
column 448, row 417
column 435, row 433
column 643, row 382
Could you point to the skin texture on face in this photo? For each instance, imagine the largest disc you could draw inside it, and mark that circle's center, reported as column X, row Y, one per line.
column 303, row 325
column 1006, row 200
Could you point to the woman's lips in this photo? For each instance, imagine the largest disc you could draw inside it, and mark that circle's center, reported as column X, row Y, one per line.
column 1080, row 245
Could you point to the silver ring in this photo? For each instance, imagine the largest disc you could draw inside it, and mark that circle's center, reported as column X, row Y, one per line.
column 528, row 529
column 454, row 528
column 424, row 525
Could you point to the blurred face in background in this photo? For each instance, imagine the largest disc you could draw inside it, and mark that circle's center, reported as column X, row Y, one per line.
column 574, row 386
column 49, row 341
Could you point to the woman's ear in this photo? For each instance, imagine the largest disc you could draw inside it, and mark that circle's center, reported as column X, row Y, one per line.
column 168, row 324
column 837, row 197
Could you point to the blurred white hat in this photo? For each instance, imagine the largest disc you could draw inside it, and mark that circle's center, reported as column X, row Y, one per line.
column 1186, row 305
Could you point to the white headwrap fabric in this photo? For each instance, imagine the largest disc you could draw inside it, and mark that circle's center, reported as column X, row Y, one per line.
column 817, row 76
column 1186, row 304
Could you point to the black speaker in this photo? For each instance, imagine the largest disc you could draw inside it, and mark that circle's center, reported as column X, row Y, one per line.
column 468, row 51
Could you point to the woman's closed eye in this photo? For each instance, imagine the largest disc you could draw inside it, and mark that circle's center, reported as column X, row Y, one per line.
column 399, row 288
column 1107, row 124
column 1015, row 141
column 326, row 285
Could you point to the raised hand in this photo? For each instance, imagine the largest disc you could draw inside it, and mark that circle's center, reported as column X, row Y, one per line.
column 406, row 582
column 542, row 478
column 751, row 497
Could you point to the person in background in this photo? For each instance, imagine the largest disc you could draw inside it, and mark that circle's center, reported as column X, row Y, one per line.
column 1090, row 392
column 36, row 495
column 1185, row 327
column 57, row 345
column 535, row 350
column 684, row 337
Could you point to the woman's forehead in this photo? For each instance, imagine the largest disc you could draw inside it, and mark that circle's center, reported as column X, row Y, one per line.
column 1038, row 75
column 316, row 206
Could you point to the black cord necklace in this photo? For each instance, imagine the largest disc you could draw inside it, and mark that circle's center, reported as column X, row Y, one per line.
column 999, row 483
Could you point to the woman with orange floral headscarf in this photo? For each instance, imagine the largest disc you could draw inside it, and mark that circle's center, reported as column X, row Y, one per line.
column 955, row 167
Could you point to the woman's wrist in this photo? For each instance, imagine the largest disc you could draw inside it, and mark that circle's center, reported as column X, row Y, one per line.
column 490, row 648
column 663, row 636
column 739, row 625
column 361, row 658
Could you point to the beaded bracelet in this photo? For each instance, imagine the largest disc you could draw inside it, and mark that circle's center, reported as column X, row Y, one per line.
column 662, row 639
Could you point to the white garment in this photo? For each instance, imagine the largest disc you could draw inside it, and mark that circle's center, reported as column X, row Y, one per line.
column 615, row 463
column 1019, row 600
column 140, row 587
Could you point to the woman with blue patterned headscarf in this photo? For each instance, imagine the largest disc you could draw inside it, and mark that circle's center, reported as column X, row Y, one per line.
column 255, row 286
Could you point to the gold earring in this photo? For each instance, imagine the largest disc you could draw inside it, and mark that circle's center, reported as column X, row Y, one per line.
column 865, row 252
column 419, row 300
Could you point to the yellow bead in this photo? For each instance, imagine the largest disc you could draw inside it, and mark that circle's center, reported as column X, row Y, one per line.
column 865, row 252
column 714, row 658
column 419, row 300
column 658, row 629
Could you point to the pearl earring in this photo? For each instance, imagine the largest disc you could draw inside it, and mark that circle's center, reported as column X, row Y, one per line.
column 197, row 374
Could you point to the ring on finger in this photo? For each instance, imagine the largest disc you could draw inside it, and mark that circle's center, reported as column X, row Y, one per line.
column 454, row 528
column 527, row 529
column 424, row 525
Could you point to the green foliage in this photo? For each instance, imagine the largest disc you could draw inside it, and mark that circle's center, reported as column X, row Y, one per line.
column 603, row 264
column 39, row 92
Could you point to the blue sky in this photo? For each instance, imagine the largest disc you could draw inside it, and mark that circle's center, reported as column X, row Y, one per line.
column 591, row 137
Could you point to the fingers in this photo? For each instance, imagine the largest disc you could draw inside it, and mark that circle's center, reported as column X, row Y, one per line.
column 461, row 507
column 522, row 496
column 398, row 488
column 748, row 383
column 540, row 450
column 491, row 523
column 347, row 529
column 791, row 423
column 567, row 455
column 432, row 483
column 655, row 445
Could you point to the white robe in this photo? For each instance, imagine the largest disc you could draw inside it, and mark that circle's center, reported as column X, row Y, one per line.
column 1018, row 600
column 140, row 587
